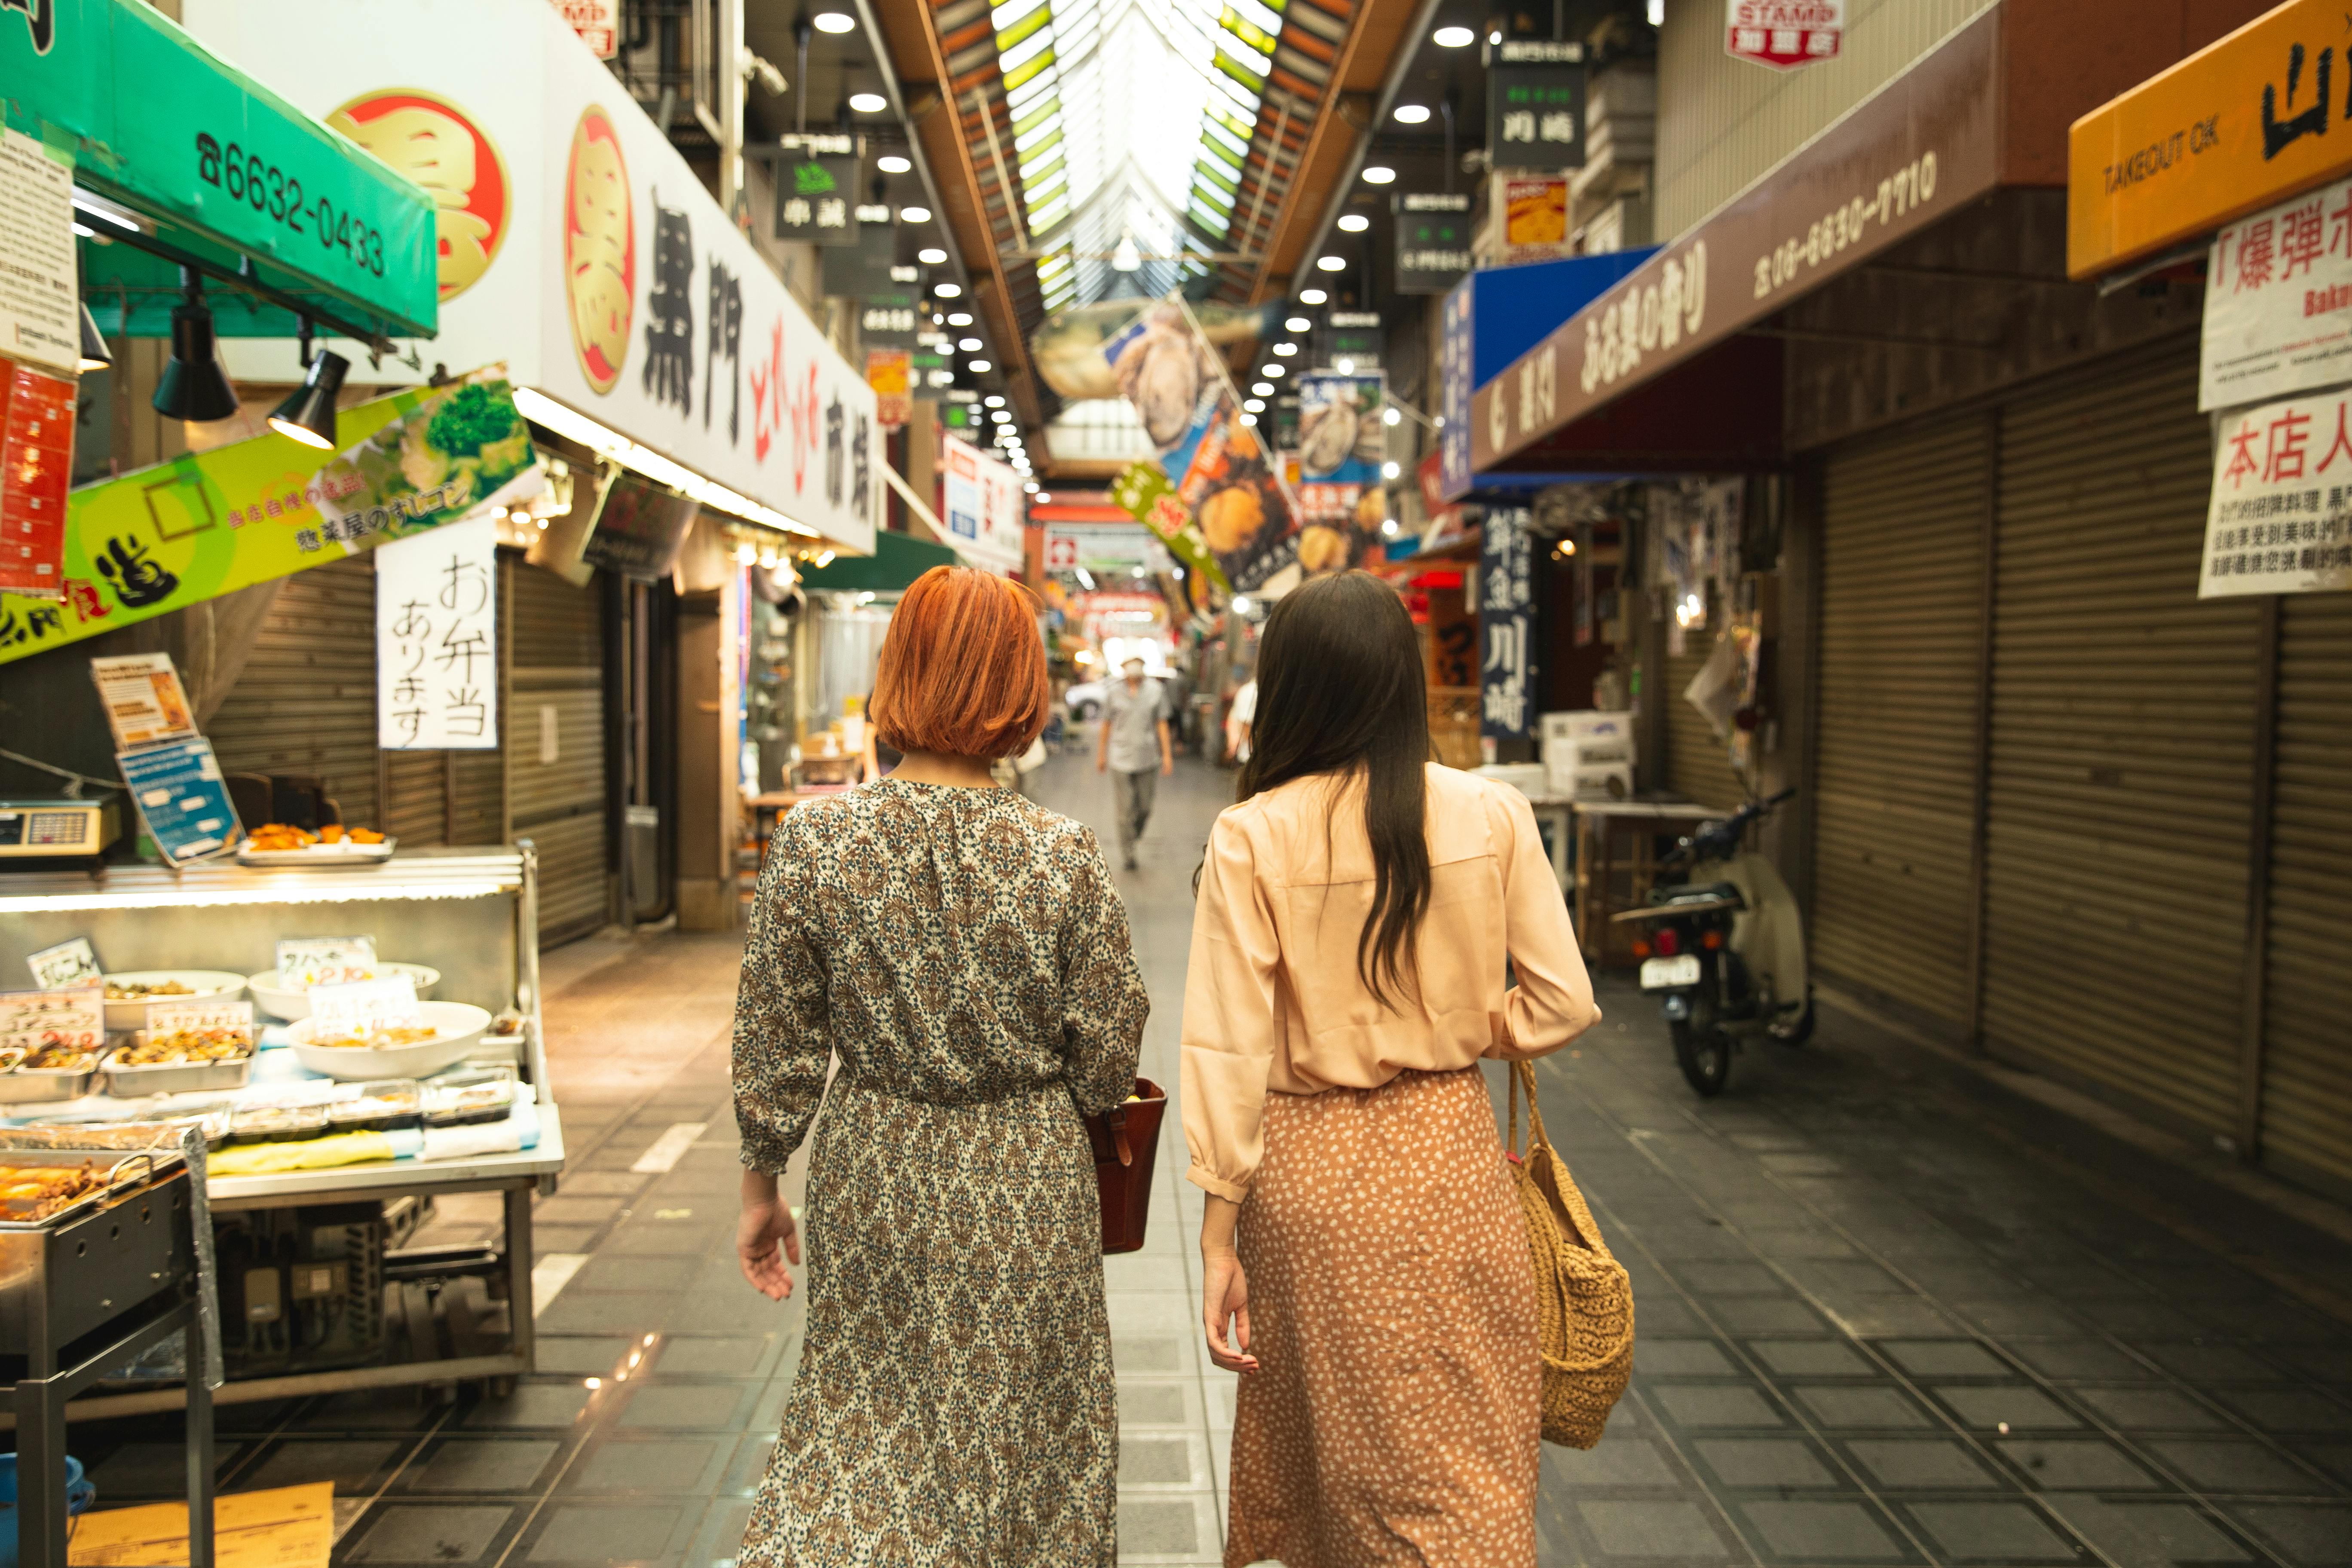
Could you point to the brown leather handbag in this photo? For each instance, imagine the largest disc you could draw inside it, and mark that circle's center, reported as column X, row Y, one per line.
column 1126, row 1139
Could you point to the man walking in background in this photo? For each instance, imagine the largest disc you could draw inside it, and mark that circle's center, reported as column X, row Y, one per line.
column 1132, row 742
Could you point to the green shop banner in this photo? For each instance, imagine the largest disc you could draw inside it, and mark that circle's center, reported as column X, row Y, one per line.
column 208, row 523
column 154, row 120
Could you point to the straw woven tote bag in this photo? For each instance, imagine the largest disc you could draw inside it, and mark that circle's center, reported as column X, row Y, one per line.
column 1584, row 1293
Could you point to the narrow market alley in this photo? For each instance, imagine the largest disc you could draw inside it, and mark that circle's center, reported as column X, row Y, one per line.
column 1890, row 1311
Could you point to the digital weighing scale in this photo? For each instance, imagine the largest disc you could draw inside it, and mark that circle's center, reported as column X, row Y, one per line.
column 47, row 829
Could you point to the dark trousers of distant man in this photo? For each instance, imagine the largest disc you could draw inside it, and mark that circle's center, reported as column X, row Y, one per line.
column 1133, row 793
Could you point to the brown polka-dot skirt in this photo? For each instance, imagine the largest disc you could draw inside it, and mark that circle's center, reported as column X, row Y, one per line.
column 1396, row 1412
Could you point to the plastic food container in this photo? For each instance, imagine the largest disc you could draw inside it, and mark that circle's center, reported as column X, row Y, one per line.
column 382, row 1107
column 203, row 986
column 276, row 1123
column 462, row 1105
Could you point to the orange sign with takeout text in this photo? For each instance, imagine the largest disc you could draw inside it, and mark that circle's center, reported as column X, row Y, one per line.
column 2251, row 119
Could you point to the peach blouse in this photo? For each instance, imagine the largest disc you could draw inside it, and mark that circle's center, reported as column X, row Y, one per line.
column 1272, row 999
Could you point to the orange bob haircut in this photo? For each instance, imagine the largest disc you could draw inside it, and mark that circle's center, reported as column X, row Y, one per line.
column 962, row 669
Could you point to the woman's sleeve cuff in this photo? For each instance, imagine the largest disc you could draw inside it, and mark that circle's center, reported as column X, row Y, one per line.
column 1201, row 1177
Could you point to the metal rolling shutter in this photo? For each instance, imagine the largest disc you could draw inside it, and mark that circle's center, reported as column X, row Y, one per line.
column 2122, row 741
column 558, row 669
column 1902, row 607
column 2306, row 1104
column 305, row 702
column 1698, row 766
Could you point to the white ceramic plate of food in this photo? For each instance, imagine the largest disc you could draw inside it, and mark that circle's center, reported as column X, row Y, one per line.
column 275, row 997
column 131, row 992
column 457, row 1029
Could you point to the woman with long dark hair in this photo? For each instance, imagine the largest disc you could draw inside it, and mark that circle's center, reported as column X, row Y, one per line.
column 1365, row 1265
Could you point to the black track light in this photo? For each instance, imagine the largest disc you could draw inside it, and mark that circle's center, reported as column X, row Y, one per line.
column 95, row 355
column 309, row 415
column 193, row 385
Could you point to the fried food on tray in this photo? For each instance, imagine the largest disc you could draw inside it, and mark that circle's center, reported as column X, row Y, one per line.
column 28, row 1191
column 278, row 838
column 139, row 990
column 56, row 1056
column 380, row 1037
column 187, row 1046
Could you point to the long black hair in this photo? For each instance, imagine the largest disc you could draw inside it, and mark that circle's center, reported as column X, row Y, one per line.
column 1340, row 693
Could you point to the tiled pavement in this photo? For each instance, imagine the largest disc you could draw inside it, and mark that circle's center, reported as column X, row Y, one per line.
column 1888, row 1314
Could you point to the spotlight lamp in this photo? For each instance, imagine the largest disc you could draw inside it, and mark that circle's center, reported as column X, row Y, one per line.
column 95, row 355
column 193, row 385
column 307, row 415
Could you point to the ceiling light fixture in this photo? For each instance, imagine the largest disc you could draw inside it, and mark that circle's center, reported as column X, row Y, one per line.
column 1391, row 469
column 1494, row 35
column 947, row 291
column 1285, row 350
column 992, row 401
column 1261, row 389
column 1331, row 263
column 1392, row 417
column 307, row 415
column 959, row 318
column 1412, row 114
column 835, row 22
column 1124, row 257
column 868, row 102
column 1249, row 418
column 1352, row 223
column 193, row 385
column 1254, row 405
column 931, row 255
column 1452, row 37
column 1272, row 371
column 1299, row 324
column 970, row 346
column 1378, row 174
column 1344, row 366
column 981, row 367
column 1043, row 498
column 914, row 214
column 1312, row 296
column 893, row 164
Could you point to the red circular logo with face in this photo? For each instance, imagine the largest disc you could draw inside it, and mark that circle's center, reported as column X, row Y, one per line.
column 600, row 249
column 438, row 146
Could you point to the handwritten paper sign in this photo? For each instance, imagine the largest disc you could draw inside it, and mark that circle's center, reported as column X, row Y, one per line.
column 436, row 640
column 364, row 1006
column 66, row 1020
column 166, row 1019
column 66, row 966
column 304, row 961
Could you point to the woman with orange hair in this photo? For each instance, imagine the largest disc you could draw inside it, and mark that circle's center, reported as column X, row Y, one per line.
column 964, row 953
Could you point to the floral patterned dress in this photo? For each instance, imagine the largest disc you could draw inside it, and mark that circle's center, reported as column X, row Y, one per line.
column 966, row 954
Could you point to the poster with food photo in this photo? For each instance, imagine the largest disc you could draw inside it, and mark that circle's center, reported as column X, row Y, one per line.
column 1231, row 489
column 1342, row 444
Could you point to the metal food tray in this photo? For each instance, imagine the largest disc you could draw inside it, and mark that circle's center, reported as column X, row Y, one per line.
column 134, row 1082
column 42, row 1085
column 140, row 1167
column 317, row 859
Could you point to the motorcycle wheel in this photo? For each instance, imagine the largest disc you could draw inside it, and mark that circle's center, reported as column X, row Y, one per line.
column 1797, row 1030
column 1703, row 1053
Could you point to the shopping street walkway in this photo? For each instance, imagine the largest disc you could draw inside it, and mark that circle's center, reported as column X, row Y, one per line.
column 1889, row 1312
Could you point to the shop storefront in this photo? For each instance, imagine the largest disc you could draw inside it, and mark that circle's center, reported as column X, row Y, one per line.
column 2044, row 780
column 327, row 1030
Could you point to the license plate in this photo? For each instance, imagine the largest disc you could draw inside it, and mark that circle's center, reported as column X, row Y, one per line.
column 1666, row 974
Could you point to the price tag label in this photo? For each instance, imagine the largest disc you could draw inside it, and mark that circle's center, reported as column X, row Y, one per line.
column 235, row 1019
column 364, row 1006
column 304, row 961
column 66, row 966
column 66, row 1020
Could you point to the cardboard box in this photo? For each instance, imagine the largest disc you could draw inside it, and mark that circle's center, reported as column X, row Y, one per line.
column 1588, row 725
column 1591, row 781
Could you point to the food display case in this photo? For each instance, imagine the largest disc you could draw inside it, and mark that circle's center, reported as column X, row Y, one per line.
column 299, row 1228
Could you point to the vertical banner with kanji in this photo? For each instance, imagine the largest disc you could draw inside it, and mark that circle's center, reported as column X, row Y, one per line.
column 1534, row 104
column 2281, row 518
column 1506, row 604
column 436, row 623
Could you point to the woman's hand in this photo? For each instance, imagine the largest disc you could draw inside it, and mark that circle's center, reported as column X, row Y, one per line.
column 1225, row 1291
column 766, row 1227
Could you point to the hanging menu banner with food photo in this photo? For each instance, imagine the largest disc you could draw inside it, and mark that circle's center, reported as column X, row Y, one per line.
column 203, row 524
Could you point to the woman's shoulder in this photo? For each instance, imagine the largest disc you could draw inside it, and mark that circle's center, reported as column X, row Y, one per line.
column 1461, row 789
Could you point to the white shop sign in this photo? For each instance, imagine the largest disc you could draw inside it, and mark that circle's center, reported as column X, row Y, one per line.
column 2278, row 301
column 2280, row 516
column 983, row 509
column 437, row 639
column 577, row 246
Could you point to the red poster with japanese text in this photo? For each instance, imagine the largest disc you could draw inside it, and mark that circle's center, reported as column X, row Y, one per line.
column 36, row 467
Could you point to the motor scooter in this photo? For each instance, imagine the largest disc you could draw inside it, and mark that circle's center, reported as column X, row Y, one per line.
column 1726, row 950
